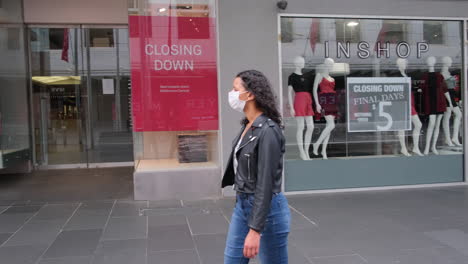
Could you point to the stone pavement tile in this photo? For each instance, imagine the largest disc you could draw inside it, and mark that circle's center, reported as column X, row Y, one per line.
column 296, row 256
column 165, row 238
column 21, row 254
column 121, row 251
column 166, row 220
column 52, row 212
column 396, row 240
column 7, row 203
column 299, row 221
column 129, row 246
column 28, row 209
column 28, row 202
column 128, row 208
column 69, row 260
column 74, row 243
column 122, row 228
column 4, row 237
column 414, row 256
column 208, row 224
column 95, row 208
column 432, row 255
column 344, row 259
column 121, row 259
column 172, row 257
column 3, row 208
column 165, row 204
column 163, row 211
column 454, row 238
column 86, row 221
column 201, row 203
column 10, row 223
column 36, row 233
column 321, row 243
column 211, row 248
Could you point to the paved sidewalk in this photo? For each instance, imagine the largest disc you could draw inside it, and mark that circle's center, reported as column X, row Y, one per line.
column 417, row 226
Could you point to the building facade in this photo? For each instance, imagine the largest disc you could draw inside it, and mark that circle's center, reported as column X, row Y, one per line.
column 372, row 92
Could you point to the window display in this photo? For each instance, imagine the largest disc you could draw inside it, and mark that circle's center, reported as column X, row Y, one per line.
column 417, row 65
column 174, row 86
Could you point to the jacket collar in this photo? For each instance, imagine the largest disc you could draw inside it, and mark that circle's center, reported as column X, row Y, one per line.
column 260, row 121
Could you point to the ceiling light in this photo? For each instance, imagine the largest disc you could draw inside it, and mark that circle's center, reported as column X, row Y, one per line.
column 352, row 24
column 162, row 10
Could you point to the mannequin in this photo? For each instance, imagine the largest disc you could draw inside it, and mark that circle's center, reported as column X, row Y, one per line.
column 453, row 106
column 325, row 103
column 301, row 107
column 402, row 64
column 434, row 89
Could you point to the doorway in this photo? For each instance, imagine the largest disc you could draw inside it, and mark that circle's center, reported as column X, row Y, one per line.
column 80, row 78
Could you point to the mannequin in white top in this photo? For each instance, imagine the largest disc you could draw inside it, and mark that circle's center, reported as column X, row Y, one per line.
column 402, row 65
column 433, row 128
column 455, row 109
column 303, row 141
column 330, row 119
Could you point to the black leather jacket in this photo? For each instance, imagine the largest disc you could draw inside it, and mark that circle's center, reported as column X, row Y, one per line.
column 260, row 167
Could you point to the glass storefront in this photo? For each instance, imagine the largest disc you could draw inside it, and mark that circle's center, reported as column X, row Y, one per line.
column 379, row 98
column 81, row 95
column 174, row 85
column 15, row 146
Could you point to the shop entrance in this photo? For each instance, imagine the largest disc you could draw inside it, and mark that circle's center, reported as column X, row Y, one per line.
column 80, row 80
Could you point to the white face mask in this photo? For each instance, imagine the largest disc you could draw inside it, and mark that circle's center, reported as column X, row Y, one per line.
column 234, row 101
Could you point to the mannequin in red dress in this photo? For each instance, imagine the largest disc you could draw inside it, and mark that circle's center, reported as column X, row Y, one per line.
column 325, row 103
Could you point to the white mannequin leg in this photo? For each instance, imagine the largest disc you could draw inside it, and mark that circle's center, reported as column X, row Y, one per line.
column 324, row 147
column 300, row 136
column 429, row 133
column 436, row 134
column 446, row 126
column 326, row 132
column 401, row 137
column 308, row 135
column 416, row 133
column 456, row 125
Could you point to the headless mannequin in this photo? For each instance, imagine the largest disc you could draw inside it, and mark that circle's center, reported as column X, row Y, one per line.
column 330, row 119
column 433, row 128
column 303, row 141
column 402, row 65
column 447, row 63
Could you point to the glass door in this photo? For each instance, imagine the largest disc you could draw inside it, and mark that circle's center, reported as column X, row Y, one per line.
column 57, row 86
column 80, row 96
column 108, row 97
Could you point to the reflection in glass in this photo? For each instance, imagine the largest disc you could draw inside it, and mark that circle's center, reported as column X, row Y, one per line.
column 427, row 52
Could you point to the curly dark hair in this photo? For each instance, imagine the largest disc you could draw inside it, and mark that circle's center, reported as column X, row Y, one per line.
column 258, row 84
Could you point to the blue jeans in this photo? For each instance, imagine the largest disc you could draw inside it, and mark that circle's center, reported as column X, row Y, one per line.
column 274, row 237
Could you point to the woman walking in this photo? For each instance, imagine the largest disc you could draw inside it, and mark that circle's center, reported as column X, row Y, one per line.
column 261, row 218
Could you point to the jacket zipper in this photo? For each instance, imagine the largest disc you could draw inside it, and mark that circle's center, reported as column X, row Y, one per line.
column 248, row 165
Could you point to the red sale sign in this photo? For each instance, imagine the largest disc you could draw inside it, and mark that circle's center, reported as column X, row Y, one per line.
column 174, row 73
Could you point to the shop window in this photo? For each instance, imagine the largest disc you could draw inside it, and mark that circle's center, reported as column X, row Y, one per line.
column 434, row 32
column 287, row 30
column 174, row 88
column 374, row 92
column 56, row 36
column 394, row 31
column 348, row 30
column 101, row 37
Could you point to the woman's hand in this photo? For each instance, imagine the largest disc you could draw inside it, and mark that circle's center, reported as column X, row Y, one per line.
column 252, row 244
